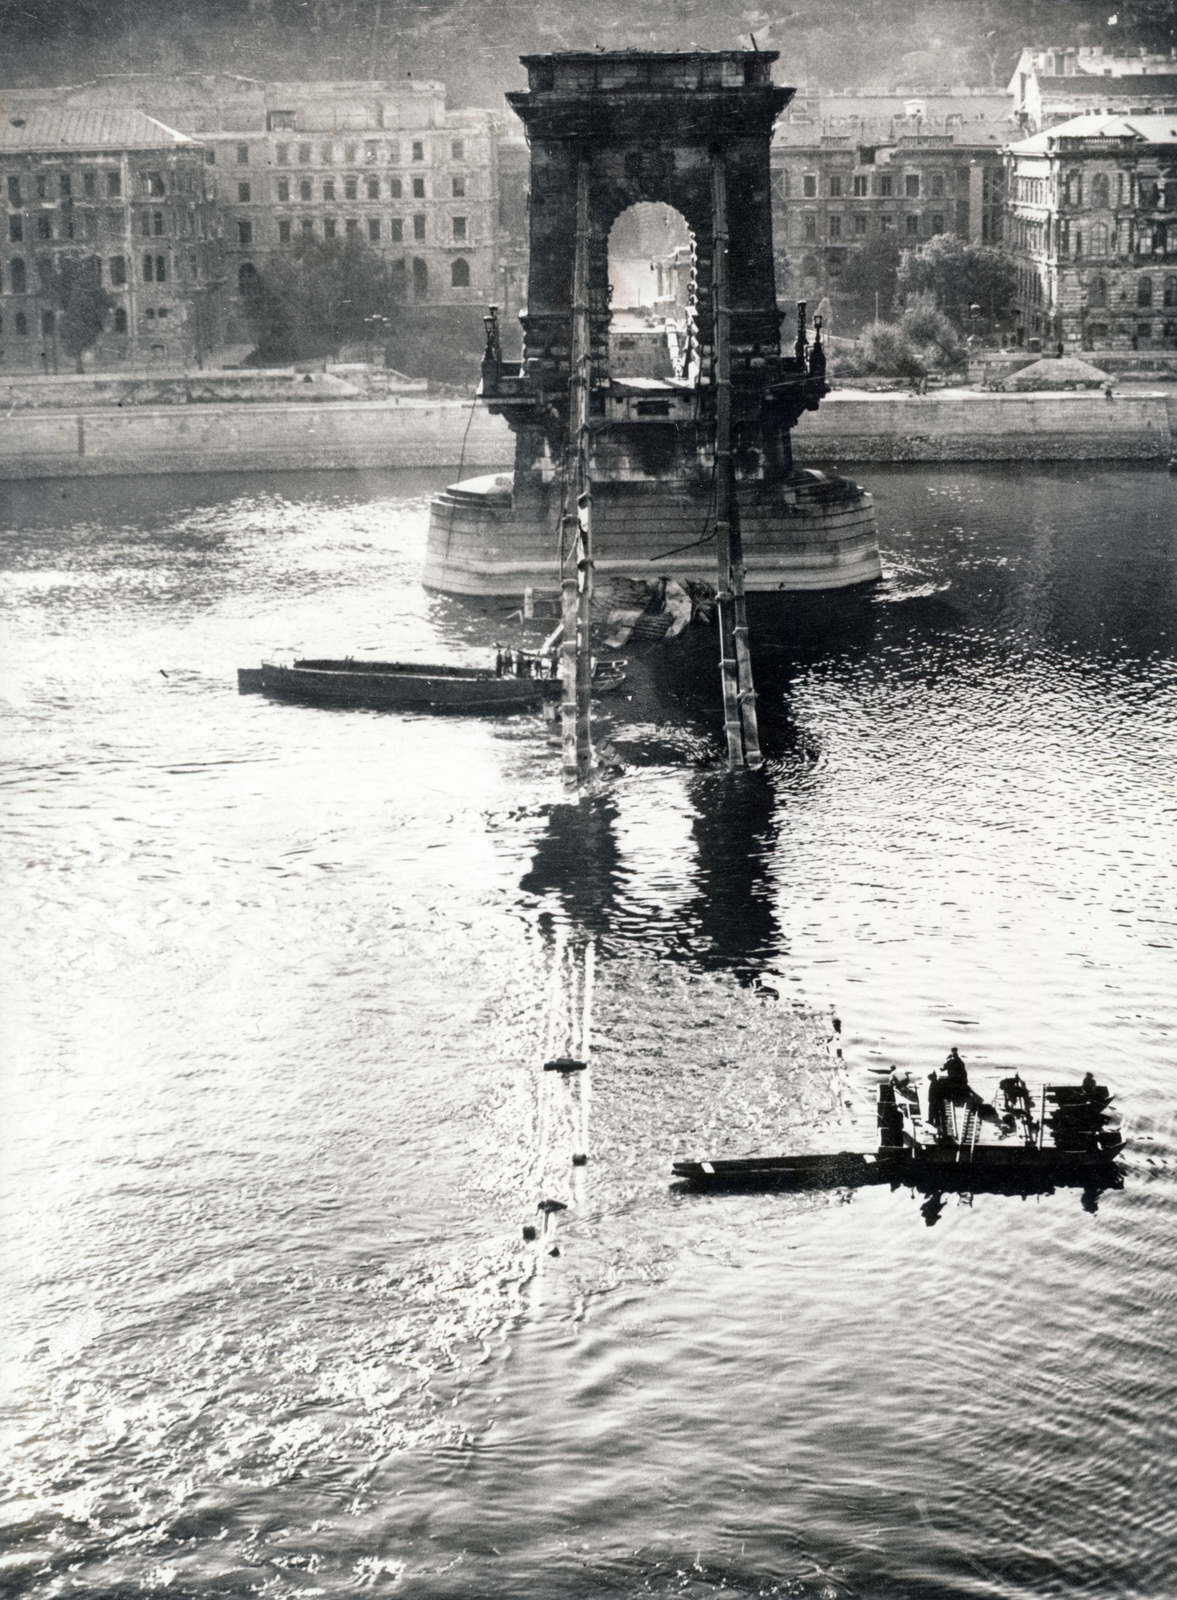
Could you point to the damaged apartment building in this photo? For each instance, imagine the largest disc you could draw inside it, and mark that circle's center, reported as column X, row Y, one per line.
column 1092, row 201
column 127, row 197
column 438, row 193
column 857, row 165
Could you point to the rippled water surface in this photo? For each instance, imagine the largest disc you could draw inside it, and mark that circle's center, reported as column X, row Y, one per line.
column 276, row 994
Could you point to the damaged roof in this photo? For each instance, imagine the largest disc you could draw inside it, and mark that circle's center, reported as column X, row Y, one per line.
column 63, row 128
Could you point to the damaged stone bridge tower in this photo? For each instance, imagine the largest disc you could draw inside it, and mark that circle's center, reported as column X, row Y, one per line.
column 691, row 130
column 651, row 128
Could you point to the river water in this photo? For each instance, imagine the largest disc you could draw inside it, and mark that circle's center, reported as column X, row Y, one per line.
column 275, row 993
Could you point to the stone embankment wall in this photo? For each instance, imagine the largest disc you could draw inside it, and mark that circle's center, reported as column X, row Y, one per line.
column 84, row 392
column 962, row 425
column 253, row 438
column 948, row 426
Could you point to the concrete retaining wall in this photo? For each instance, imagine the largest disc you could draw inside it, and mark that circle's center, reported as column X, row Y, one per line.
column 952, row 426
column 212, row 438
column 960, row 425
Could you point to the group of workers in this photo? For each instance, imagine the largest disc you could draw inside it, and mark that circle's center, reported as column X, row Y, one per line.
column 950, row 1086
column 520, row 664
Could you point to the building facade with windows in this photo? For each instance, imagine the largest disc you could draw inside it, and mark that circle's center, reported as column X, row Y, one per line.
column 1093, row 232
column 383, row 162
column 861, row 165
column 127, row 196
column 415, row 182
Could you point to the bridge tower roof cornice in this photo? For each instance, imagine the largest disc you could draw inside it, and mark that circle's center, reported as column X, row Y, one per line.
column 609, row 97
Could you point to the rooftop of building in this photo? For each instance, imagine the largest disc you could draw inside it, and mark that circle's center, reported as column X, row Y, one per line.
column 1100, row 129
column 231, row 83
column 967, row 136
column 1142, row 86
column 220, row 106
column 57, row 129
column 1091, row 60
column 882, row 116
column 993, row 101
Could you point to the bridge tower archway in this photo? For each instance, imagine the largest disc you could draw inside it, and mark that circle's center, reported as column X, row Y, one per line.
column 651, row 127
column 652, row 298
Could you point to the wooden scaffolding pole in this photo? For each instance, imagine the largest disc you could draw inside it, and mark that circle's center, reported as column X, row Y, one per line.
column 578, row 748
column 735, row 659
column 568, row 600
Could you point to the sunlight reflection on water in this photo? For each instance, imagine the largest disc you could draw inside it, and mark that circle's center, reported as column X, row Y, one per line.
column 273, row 1015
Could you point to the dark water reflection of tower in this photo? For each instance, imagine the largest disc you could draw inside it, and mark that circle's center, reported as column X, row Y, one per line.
column 577, row 858
column 731, row 923
column 727, row 921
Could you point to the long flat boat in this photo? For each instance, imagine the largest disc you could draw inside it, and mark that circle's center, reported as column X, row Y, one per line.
column 955, row 1142
column 518, row 682
column 844, row 1169
column 402, row 686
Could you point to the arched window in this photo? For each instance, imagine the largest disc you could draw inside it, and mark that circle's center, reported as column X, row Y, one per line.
column 1100, row 191
column 400, row 278
column 16, row 272
column 1144, row 293
column 1097, row 294
column 22, row 324
column 246, row 276
column 420, row 279
column 1099, row 239
column 1074, row 188
column 460, row 273
column 1171, row 291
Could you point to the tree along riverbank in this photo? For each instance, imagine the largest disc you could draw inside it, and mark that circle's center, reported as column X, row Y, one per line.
column 948, row 425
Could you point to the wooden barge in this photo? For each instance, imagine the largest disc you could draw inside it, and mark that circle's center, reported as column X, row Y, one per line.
column 517, row 682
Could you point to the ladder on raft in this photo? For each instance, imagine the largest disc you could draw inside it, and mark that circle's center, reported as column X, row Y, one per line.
column 968, row 1134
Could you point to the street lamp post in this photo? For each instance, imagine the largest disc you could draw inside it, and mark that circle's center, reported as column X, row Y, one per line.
column 372, row 331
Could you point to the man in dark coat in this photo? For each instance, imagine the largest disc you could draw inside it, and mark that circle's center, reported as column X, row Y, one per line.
column 956, row 1078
